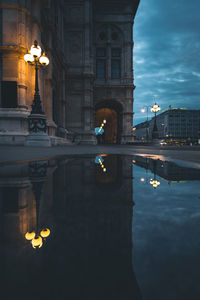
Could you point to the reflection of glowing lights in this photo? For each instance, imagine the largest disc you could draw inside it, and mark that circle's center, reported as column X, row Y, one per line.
column 142, row 179
column 45, row 233
column 155, row 183
column 37, row 242
column 29, row 236
column 133, row 161
column 99, row 160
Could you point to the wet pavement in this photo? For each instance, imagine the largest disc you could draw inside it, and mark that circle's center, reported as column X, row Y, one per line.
column 106, row 226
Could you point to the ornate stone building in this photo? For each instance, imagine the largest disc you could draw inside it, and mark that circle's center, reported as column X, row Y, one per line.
column 90, row 75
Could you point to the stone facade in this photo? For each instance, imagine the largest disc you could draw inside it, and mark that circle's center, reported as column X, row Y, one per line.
column 78, row 85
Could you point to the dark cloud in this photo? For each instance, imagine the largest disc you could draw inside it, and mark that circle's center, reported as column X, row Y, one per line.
column 167, row 54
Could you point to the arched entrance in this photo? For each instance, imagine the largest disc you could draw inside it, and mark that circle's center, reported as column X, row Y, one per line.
column 111, row 112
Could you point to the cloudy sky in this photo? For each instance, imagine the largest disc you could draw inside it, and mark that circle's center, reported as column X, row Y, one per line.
column 167, row 55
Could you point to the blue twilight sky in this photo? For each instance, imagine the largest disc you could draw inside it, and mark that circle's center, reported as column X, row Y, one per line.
column 166, row 55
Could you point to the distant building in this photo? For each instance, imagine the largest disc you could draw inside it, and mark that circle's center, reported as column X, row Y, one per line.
column 173, row 123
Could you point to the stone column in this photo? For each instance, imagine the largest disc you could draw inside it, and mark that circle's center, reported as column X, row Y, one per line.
column 87, row 109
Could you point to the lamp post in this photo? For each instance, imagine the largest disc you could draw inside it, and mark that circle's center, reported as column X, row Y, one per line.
column 147, row 127
column 37, row 120
column 155, row 108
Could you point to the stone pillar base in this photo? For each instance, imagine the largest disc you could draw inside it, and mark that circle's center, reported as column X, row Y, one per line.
column 85, row 138
column 127, row 139
column 38, row 140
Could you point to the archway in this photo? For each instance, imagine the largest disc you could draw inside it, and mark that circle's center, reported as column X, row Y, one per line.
column 111, row 112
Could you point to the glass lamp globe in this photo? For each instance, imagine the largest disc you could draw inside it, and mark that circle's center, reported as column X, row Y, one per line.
column 28, row 58
column 104, row 121
column 44, row 60
column 36, row 50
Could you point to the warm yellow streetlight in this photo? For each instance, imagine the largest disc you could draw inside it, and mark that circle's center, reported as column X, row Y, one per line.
column 155, row 135
column 37, row 120
column 155, row 108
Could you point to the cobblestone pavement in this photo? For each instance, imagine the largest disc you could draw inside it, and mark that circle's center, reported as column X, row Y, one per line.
column 188, row 155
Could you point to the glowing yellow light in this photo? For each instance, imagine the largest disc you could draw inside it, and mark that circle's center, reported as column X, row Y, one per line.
column 30, row 236
column 37, row 242
column 104, row 121
column 133, row 161
column 142, row 179
column 155, row 108
column 104, row 170
column 28, row 58
column 36, row 50
column 155, row 183
column 44, row 60
column 45, row 233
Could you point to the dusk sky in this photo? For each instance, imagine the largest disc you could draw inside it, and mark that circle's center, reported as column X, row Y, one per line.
column 166, row 55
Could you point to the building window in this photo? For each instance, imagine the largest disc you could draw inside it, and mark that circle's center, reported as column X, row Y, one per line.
column 101, row 63
column 9, row 94
column 115, row 63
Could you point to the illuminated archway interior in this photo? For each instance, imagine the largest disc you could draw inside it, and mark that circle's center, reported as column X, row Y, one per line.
column 110, row 135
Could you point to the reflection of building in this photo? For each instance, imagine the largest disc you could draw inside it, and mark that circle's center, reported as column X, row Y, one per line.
column 174, row 123
column 90, row 45
column 168, row 170
column 89, row 254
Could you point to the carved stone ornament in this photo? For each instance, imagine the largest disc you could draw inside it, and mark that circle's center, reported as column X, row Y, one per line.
column 37, row 123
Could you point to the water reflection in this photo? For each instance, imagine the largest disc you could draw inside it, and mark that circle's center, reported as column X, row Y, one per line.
column 82, row 210
column 89, row 212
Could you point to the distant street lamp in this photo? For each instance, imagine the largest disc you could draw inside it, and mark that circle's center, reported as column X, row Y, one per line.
column 37, row 119
column 147, row 126
column 155, row 108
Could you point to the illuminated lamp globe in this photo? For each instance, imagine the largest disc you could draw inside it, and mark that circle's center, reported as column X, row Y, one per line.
column 28, row 58
column 104, row 121
column 104, row 170
column 45, row 233
column 44, row 60
column 36, row 50
column 30, row 236
column 37, row 242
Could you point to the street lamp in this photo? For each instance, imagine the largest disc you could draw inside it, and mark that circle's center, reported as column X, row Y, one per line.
column 37, row 119
column 155, row 108
column 147, row 126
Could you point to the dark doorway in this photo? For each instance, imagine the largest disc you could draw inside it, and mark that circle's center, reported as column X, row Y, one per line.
column 111, row 112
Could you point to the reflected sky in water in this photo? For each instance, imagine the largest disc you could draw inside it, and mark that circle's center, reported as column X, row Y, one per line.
column 112, row 234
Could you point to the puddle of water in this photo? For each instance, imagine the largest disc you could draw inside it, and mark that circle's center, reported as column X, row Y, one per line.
column 104, row 227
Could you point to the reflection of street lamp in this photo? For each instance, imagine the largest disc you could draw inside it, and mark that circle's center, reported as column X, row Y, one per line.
column 155, row 108
column 37, row 119
column 37, row 171
column 147, row 126
column 154, row 182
